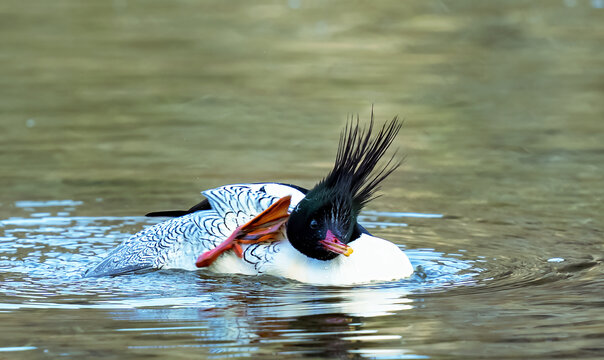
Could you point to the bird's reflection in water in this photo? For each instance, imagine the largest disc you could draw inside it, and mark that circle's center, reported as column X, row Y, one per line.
column 286, row 318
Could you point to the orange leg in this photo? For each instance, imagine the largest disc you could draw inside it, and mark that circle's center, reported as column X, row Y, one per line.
column 264, row 227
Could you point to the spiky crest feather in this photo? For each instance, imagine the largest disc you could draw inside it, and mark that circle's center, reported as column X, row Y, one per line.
column 333, row 205
column 357, row 157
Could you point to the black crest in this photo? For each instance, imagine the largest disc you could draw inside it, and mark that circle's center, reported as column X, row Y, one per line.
column 332, row 206
column 359, row 151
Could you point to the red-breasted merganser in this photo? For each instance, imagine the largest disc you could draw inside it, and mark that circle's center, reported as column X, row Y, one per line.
column 279, row 229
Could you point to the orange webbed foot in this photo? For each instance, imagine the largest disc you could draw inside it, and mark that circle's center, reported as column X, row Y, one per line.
column 264, row 227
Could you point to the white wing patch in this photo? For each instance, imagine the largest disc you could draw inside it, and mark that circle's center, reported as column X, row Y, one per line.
column 238, row 204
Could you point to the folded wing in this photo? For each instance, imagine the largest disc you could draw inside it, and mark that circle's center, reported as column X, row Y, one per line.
column 176, row 243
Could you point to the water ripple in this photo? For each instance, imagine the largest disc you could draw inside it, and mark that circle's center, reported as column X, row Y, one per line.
column 46, row 256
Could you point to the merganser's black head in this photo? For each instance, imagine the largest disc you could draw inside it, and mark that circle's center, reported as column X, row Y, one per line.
column 325, row 221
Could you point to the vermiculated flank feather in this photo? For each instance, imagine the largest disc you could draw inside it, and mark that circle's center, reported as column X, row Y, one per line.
column 358, row 155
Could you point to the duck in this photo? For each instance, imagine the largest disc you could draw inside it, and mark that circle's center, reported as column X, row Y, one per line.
column 284, row 230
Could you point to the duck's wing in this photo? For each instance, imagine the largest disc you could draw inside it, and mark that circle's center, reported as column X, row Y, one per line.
column 177, row 242
column 205, row 203
column 162, row 244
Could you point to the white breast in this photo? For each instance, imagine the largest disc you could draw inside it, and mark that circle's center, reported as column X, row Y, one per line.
column 373, row 259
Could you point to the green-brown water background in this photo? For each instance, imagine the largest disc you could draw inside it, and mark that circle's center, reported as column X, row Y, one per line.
column 123, row 107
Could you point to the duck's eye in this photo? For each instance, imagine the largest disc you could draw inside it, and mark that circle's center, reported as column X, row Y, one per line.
column 314, row 224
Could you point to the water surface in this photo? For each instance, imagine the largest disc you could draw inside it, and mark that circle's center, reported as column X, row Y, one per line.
column 111, row 110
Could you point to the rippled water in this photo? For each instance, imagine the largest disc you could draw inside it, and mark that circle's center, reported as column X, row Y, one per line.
column 47, row 250
column 109, row 110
